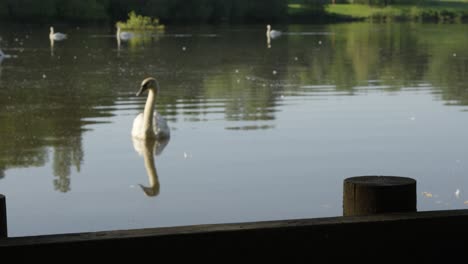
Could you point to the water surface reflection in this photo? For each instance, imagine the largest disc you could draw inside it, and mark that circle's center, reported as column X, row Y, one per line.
column 354, row 98
column 61, row 97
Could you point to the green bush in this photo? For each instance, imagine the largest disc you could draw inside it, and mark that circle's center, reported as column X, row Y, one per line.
column 135, row 21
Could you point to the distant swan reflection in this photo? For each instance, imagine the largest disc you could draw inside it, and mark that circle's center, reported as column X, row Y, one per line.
column 150, row 148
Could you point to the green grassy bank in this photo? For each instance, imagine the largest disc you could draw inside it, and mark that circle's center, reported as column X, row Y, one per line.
column 442, row 11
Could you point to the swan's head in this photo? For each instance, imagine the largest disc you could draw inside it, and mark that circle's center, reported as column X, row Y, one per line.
column 147, row 84
column 51, row 29
column 268, row 27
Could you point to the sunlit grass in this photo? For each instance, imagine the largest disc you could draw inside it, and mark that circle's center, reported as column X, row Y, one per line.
column 356, row 10
column 432, row 10
column 297, row 9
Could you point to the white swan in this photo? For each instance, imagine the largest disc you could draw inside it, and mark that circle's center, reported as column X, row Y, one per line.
column 5, row 56
column 150, row 124
column 148, row 149
column 272, row 33
column 123, row 35
column 56, row 36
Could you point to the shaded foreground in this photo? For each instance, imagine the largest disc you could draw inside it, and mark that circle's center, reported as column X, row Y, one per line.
column 427, row 235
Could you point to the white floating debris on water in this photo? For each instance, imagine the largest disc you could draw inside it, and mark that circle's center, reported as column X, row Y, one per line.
column 320, row 42
column 274, row 72
column 427, row 194
column 74, row 57
column 282, row 96
column 184, row 48
column 44, row 76
column 238, row 80
column 412, row 118
column 454, row 54
column 187, row 155
column 296, row 58
column 237, row 71
column 457, row 193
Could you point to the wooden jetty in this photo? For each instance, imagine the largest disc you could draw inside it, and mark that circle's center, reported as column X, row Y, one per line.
column 428, row 237
column 425, row 235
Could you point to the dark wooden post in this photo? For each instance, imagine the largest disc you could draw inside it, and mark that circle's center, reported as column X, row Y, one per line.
column 367, row 195
column 3, row 217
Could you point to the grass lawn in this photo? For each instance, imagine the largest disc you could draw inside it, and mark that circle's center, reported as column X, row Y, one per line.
column 443, row 10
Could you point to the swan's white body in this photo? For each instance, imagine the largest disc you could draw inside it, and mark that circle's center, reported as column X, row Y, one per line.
column 150, row 124
column 272, row 33
column 123, row 35
column 3, row 55
column 159, row 127
column 56, row 36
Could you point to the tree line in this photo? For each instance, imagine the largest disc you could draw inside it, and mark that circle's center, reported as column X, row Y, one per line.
column 169, row 11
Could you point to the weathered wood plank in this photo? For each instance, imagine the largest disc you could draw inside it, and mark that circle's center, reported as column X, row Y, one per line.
column 435, row 234
column 3, row 217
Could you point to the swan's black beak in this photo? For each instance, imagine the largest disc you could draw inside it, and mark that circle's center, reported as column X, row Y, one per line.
column 142, row 89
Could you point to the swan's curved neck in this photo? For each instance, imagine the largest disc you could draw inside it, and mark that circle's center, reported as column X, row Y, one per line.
column 148, row 114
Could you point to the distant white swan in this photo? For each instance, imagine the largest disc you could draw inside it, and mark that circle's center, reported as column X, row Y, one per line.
column 272, row 33
column 56, row 36
column 150, row 124
column 123, row 35
column 3, row 55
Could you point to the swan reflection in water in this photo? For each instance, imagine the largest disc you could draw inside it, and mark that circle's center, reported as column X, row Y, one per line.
column 149, row 148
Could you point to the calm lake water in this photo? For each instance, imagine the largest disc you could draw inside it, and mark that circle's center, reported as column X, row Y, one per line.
column 257, row 132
